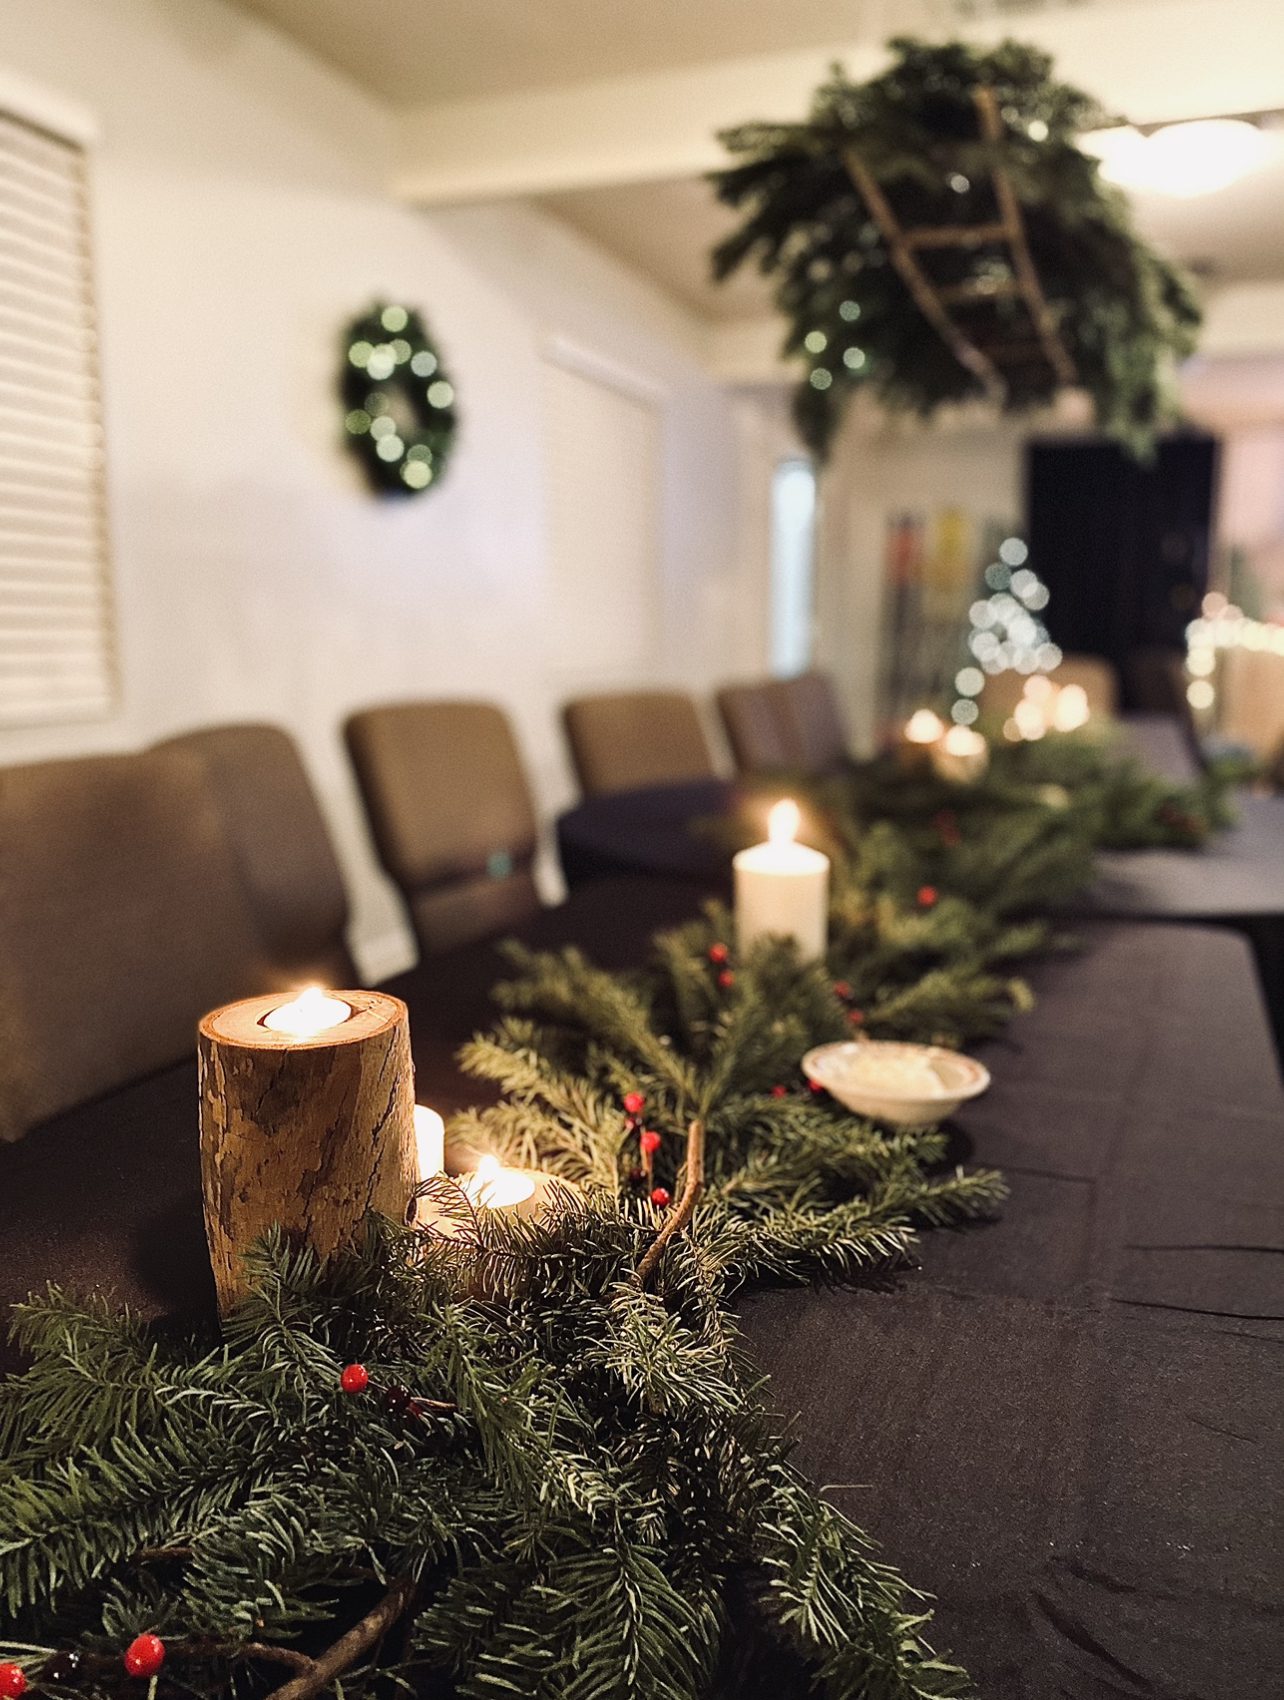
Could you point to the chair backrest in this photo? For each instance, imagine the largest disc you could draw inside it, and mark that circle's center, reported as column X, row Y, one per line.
column 629, row 739
column 757, row 736
column 282, row 847
column 122, row 922
column 1100, row 684
column 807, row 708
column 451, row 815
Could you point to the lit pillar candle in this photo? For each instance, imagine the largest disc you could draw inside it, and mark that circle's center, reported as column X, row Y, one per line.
column 962, row 755
column 923, row 731
column 430, row 1142
column 782, row 888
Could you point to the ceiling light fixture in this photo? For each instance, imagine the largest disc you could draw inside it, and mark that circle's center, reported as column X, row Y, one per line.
column 1183, row 160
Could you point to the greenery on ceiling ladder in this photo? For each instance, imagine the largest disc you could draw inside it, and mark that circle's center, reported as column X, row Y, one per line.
column 937, row 235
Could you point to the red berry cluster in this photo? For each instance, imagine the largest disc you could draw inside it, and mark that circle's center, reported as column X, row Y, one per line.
column 355, row 1378
column 720, row 955
column 13, row 1682
column 843, row 992
column 144, row 1655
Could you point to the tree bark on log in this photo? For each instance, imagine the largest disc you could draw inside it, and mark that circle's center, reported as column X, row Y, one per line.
column 306, row 1133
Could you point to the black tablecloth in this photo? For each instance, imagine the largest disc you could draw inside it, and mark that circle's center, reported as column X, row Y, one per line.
column 650, row 831
column 1163, row 744
column 1067, row 1424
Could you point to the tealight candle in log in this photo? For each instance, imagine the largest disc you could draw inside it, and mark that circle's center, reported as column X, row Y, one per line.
column 962, row 756
column 782, row 888
column 923, row 731
column 307, row 1121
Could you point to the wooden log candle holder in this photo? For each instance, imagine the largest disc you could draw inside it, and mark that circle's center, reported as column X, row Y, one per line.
column 308, row 1130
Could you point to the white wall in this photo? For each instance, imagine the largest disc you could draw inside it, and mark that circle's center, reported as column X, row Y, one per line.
column 241, row 218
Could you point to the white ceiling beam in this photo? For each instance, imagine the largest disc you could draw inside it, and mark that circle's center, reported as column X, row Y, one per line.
column 1148, row 62
column 633, row 129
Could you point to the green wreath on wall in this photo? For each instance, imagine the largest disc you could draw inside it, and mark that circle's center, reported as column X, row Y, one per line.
column 399, row 402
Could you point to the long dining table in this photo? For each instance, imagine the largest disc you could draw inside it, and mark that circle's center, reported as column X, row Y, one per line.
column 1235, row 881
column 1064, row 1424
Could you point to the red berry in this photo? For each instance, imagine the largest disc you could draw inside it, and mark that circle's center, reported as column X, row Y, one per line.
column 815, row 1087
column 144, row 1655
column 726, row 979
column 927, row 896
column 13, row 1681
column 661, row 1197
column 635, row 1103
column 355, row 1378
column 779, row 1091
column 649, row 1140
column 718, row 953
column 842, row 989
column 856, row 1017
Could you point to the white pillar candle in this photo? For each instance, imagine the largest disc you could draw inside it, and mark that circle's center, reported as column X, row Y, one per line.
column 961, row 756
column 430, row 1142
column 782, row 888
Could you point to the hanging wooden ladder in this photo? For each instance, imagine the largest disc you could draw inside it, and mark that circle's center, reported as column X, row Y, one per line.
column 935, row 301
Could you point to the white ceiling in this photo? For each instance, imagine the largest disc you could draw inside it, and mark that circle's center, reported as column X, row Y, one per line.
column 419, row 56
column 667, row 230
column 412, row 51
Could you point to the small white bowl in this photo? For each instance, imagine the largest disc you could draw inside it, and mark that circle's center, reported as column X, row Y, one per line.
column 959, row 1077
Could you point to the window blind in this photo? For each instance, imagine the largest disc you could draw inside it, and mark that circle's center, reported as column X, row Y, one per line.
column 57, row 650
column 603, row 470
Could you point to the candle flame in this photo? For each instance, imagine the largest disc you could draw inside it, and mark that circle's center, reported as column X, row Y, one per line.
column 924, row 727
column 963, row 741
column 783, row 822
column 492, row 1187
column 307, row 1015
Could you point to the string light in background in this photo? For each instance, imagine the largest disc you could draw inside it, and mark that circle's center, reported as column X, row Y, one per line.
column 1006, row 634
column 1221, row 627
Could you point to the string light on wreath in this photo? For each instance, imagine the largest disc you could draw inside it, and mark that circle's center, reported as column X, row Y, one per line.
column 399, row 402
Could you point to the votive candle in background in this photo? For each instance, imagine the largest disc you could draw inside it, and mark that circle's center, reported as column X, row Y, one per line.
column 782, row 888
column 962, row 756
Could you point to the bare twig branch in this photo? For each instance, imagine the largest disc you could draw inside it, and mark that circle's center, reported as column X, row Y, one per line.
column 915, row 280
column 683, row 1211
column 348, row 1648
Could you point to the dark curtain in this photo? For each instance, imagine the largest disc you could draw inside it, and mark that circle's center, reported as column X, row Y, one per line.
column 1122, row 545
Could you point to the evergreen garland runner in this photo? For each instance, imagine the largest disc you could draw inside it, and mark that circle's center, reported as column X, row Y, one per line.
column 530, row 1458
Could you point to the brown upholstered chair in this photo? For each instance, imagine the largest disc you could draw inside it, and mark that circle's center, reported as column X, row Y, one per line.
column 622, row 741
column 755, row 731
column 807, row 709
column 451, row 815
column 122, row 921
column 282, row 847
